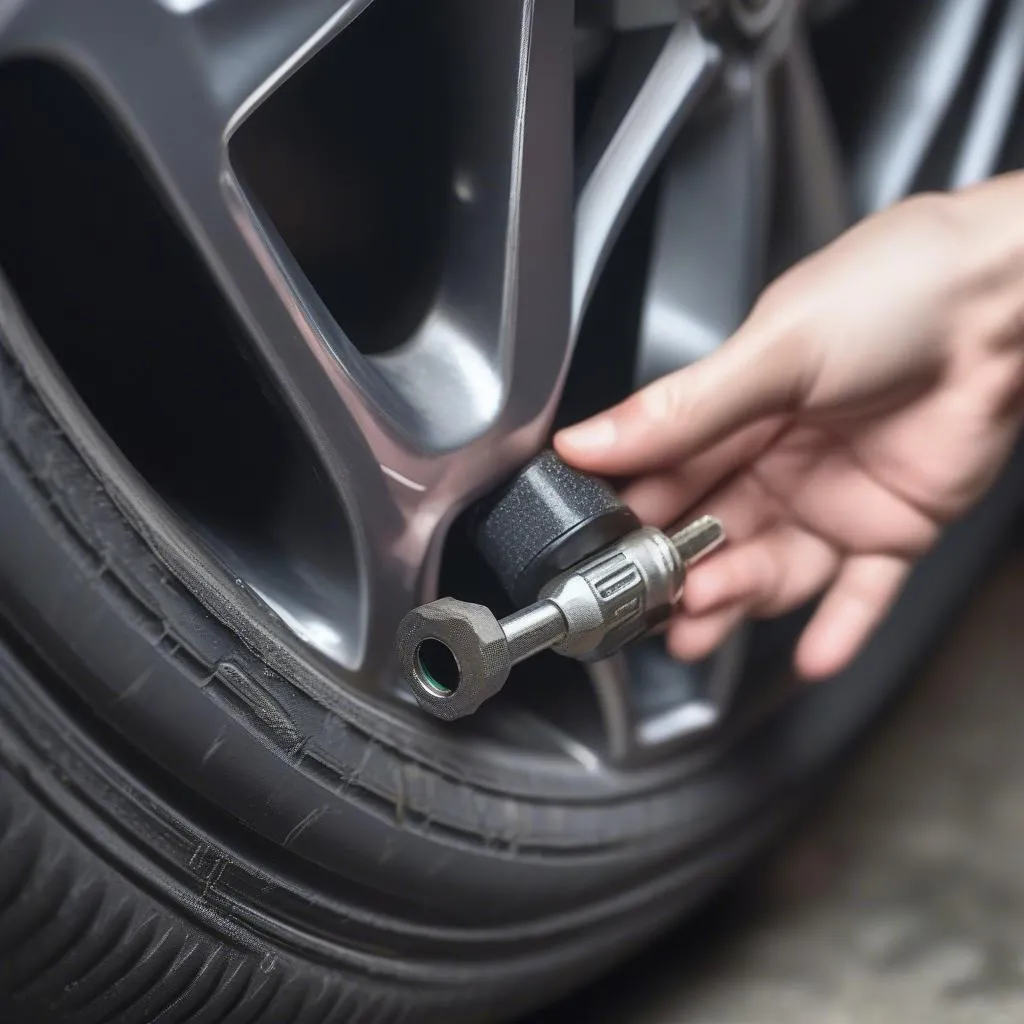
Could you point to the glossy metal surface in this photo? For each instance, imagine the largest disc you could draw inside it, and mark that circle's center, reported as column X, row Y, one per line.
column 708, row 258
column 916, row 83
column 995, row 103
column 669, row 92
column 736, row 140
column 494, row 346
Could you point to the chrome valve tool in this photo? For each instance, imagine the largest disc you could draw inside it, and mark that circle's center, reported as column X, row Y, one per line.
column 456, row 655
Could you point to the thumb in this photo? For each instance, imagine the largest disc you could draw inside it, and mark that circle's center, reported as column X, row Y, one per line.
column 753, row 375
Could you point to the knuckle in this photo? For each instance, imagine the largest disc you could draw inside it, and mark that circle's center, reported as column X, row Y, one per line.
column 657, row 403
column 669, row 400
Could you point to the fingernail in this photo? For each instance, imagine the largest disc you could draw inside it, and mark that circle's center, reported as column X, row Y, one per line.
column 591, row 435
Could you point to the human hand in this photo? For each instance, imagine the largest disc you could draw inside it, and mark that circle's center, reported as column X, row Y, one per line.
column 869, row 399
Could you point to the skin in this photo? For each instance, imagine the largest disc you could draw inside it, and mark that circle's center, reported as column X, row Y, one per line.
column 869, row 400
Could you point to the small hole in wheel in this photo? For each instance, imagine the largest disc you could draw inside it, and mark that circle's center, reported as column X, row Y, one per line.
column 438, row 667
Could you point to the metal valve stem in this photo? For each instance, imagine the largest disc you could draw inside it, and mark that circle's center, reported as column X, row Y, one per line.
column 587, row 612
column 542, row 625
column 533, row 629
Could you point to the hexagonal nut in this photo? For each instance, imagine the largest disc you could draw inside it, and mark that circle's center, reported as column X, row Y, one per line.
column 473, row 638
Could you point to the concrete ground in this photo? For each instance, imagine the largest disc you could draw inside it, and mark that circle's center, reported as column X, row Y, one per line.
column 901, row 901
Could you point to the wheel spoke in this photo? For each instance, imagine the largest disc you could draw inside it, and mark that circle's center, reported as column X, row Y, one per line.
column 812, row 206
column 184, row 146
column 407, row 438
column 236, row 51
column 670, row 90
column 246, row 47
column 613, row 683
column 651, row 705
column 712, row 226
column 995, row 103
column 762, row 137
column 913, row 94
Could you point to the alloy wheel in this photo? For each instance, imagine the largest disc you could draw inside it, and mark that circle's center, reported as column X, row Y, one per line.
column 440, row 229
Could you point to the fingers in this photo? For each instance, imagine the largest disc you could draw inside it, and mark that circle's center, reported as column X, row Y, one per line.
column 861, row 595
column 763, row 581
column 756, row 374
column 693, row 639
column 661, row 498
column 827, row 487
column 770, row 574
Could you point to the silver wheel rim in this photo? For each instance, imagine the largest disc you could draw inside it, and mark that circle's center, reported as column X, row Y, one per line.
column 716, row 107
